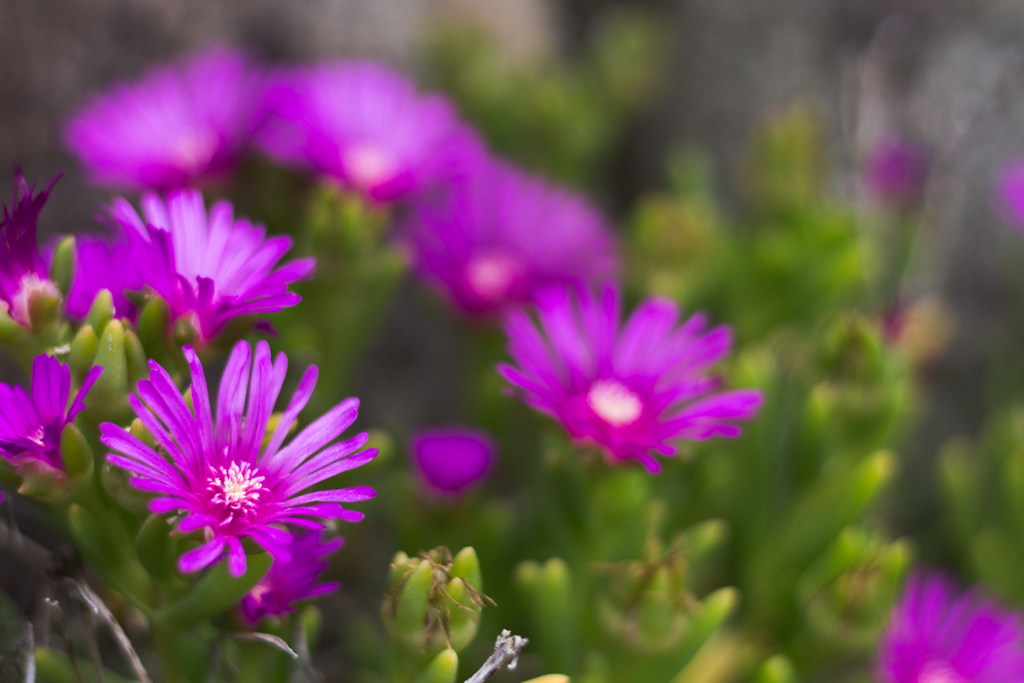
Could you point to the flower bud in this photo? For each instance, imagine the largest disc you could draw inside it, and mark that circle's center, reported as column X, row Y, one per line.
column 76, row 453
column 83, row 352
column 550, row 678
column 65, row 260
column 777, row 669
column 108, row 398
column 548, row 589
column 442, row 669
column 45, row 306
column 435, row 601
column 102, row 310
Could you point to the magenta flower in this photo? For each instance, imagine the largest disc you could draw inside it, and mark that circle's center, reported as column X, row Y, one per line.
column 896, row 170
column 217, row 473
column 504, row 235
column 23, row 273
column 1011, row 192
column 936, row 636
column 31, row 424
column 103, row 264
column 178, row 126
column 209, row 268
column 449, row 461
column 367, row 126
column 289, row 582
column 631, row 392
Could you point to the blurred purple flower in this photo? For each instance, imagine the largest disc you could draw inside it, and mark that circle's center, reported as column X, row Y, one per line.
column 289, row 582
column 180, row 125
column 896, row 171
column 210, row 269
column 367, row 126
column 451, row 460
column 630, row 391
column 1011, row 192
column 102, row 264
column 217, row 475
column 23, row 273
column 31, row 424
column 504, row 235
column 936, row 636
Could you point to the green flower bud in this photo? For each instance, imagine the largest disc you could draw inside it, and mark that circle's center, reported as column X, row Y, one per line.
column 777, row 669
column 45, row 306
column 153, row 330
column 77, row 455
column 550, row 678
column 102, row 310
column 138, row 364
column 548, row 589
column 429, row 608
column 108, row 399
column 442, row 669
column 83, row 352
column 65, row 261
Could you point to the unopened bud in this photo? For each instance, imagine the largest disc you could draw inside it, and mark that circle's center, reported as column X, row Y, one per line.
column 65, row 260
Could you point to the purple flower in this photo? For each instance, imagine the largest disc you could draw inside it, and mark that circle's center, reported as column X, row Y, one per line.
column 289, row 582
column 504, row 235
column 631, row 392
column 451, row 460
column 216, row 473
column 896, row 170
column 366, row 126
column 1011, row 192
column 31, row 424
column 23, row 273
column 179, row 125
column 936, row 636
column 209, row 268
column 102, row 264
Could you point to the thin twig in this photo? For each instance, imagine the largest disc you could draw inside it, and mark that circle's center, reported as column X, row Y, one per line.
column 93, row 602
column 267, row 638
column 30, row 654
column 62, row 627
column 94, row 648
column 304, row 671
column 506, row 650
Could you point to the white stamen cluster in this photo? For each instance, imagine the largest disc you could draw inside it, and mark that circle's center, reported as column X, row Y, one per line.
column 614, row 403
column 235, row 487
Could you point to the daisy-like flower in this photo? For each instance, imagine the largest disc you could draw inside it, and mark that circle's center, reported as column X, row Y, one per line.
column 217, row 474
column 102, row 264
column 289, row 582
column 209, row 268
column 31, row 423
column 179, row 125
column 630, row 391
column 23, row 273
column 504, row 235
column 937, row 636
column 367, row 126
column 451, row 460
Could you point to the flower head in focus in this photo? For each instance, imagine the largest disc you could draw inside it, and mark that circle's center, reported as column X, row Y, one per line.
column 504, row 235
column 937, row 636
column 367, row 126
column 218, row 474
column 23, row 273
column 896, row 170
column 451, row 460
column 630, row 391
column 178, row 126
column 289, row 582
column 209, row 267
column 103, row 264
column 31, row 423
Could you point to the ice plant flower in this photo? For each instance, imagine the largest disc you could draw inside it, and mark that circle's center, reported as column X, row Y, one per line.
column 630, row 391
column 504, row 235
column 450, row 460
column 937, row 636
column 366, row 126
column 102, row 264
column 895, row 171
column 209, row 267
column 31, row 423
column 218, row 473
column 289, row 582
column 23, row 273
column 1011, row 193
column 178, row 126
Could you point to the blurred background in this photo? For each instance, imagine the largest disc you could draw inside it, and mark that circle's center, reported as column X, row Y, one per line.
column 623, row 97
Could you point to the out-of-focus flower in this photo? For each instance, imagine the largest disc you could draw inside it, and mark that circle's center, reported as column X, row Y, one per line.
column 936, row 636
column 367, row 126
column 505, row 235
column 31, row 423
column 1011, row 192
column 216, row 473
column 102, row 264
column 178, row 126
column 23, row 273
column 896, row 170
column 451, row 460
column 630, row 391
column 289, row 582
column 209, row 268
